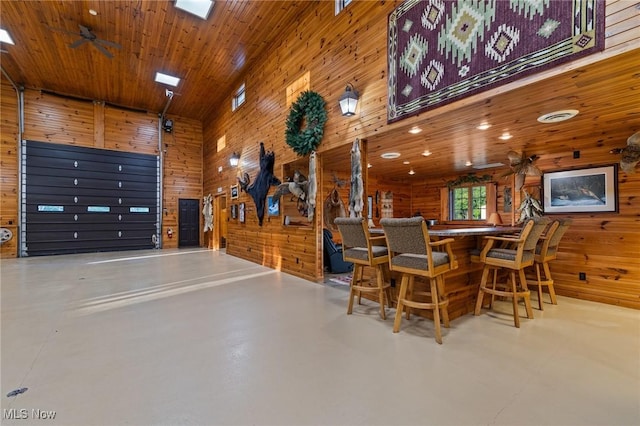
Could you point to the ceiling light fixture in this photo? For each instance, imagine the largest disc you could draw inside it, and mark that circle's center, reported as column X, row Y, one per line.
column 349, row 101
column 468, row 163
column 369, row 165
column 554, row 117
column 5, row 37
column 411, row 172
column 199, row 8
column 167, row 79
column 93, row 12
column 505, row 136
column 426, row 153
column 483, row 126
column 390, row 155
column 415, row 130
column 406, row 162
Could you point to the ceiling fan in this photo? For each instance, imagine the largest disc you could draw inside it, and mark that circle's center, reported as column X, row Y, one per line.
column 87, row 36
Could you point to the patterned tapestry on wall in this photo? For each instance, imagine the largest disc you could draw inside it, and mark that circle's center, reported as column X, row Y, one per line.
column 440, row 51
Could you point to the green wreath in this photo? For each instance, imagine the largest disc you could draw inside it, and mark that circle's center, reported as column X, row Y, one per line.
column 310, row 107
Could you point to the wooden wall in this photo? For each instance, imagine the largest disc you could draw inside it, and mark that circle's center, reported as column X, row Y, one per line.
column 9, row 167
column 351, row 47
column 56, row 119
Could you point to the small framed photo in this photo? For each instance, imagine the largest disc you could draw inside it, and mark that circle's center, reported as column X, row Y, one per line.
column 586, row 190
column 234, row 211
column 241, row 216
column 273, row 206
column 234, row 192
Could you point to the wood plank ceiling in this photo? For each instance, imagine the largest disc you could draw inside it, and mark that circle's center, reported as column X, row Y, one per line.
column 155, row 36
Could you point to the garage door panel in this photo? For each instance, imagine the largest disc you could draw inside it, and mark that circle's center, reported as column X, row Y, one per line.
column 78, row 153
column 68, row 247
column 89, row 200
column 81, row 199
column 83, row 192
column 53, row 181
column 87, row 177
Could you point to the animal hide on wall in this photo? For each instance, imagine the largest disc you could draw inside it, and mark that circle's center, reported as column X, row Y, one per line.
column 207, row 212
column 333, row 208
column 313, row 187
column 260, row 187
column 356, row 204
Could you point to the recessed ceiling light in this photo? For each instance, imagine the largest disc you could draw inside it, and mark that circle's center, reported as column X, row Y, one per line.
column 167, row 79
column 406, row 162
column 415, row 130
column 468, row 163
column 483, row 126
column 5, row 37
column 200, row 8
column 390, row 155
column 505, row 136
column 411, row 172
column 369, row 165
column 93, row 12
column 426, row 153
column 554, row 117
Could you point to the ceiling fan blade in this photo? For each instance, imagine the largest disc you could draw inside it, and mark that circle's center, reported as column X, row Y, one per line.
column 61, row 30
column 107, row 43
column 104, row 51
column 78, row 43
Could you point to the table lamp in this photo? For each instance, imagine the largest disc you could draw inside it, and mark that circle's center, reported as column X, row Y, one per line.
column 494, row 219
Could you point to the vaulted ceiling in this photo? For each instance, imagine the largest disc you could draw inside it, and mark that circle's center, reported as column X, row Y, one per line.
column 155, row 36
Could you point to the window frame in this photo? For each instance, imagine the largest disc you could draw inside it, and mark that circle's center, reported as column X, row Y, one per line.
column 239, row 98
column 341, row 5
column 470, row 198
column 446, row 199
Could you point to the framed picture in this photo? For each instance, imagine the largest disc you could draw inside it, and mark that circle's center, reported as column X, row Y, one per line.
column 234, row 192
column 234, row 211
column 241, row 213
column 587, row 190
column 273, row 206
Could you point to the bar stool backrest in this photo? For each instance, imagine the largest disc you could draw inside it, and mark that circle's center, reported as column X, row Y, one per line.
column 353, row 231
column 406, row 235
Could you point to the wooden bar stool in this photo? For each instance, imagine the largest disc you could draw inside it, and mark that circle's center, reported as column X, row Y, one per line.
column 519, row 255
column 546, row 251
column 413, row 254
column 360, row 248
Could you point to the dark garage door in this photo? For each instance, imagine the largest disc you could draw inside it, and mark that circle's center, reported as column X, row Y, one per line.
column 78, row 199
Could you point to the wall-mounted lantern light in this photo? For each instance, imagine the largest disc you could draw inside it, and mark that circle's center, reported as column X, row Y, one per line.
column 349, row 101
column 235, row 159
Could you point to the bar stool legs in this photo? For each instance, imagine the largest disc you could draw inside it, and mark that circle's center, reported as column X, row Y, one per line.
column 439, row 303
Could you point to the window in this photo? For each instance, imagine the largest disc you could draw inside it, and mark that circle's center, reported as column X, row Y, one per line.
column 468, row 203
column 238, row 98
column 341, row 4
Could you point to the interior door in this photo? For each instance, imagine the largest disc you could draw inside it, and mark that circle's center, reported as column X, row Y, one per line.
column 188, row 222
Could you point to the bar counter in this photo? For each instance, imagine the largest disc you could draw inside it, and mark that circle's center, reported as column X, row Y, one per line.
column 461, row 285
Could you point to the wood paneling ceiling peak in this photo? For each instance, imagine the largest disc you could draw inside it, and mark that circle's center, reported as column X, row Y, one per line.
column 209, row 55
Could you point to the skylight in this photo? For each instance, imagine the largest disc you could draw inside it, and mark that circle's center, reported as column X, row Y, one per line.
column 5, row 37
column 167, row 79
column 200, row 8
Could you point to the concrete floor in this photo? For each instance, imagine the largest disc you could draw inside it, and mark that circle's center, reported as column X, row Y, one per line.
column 178, row 337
